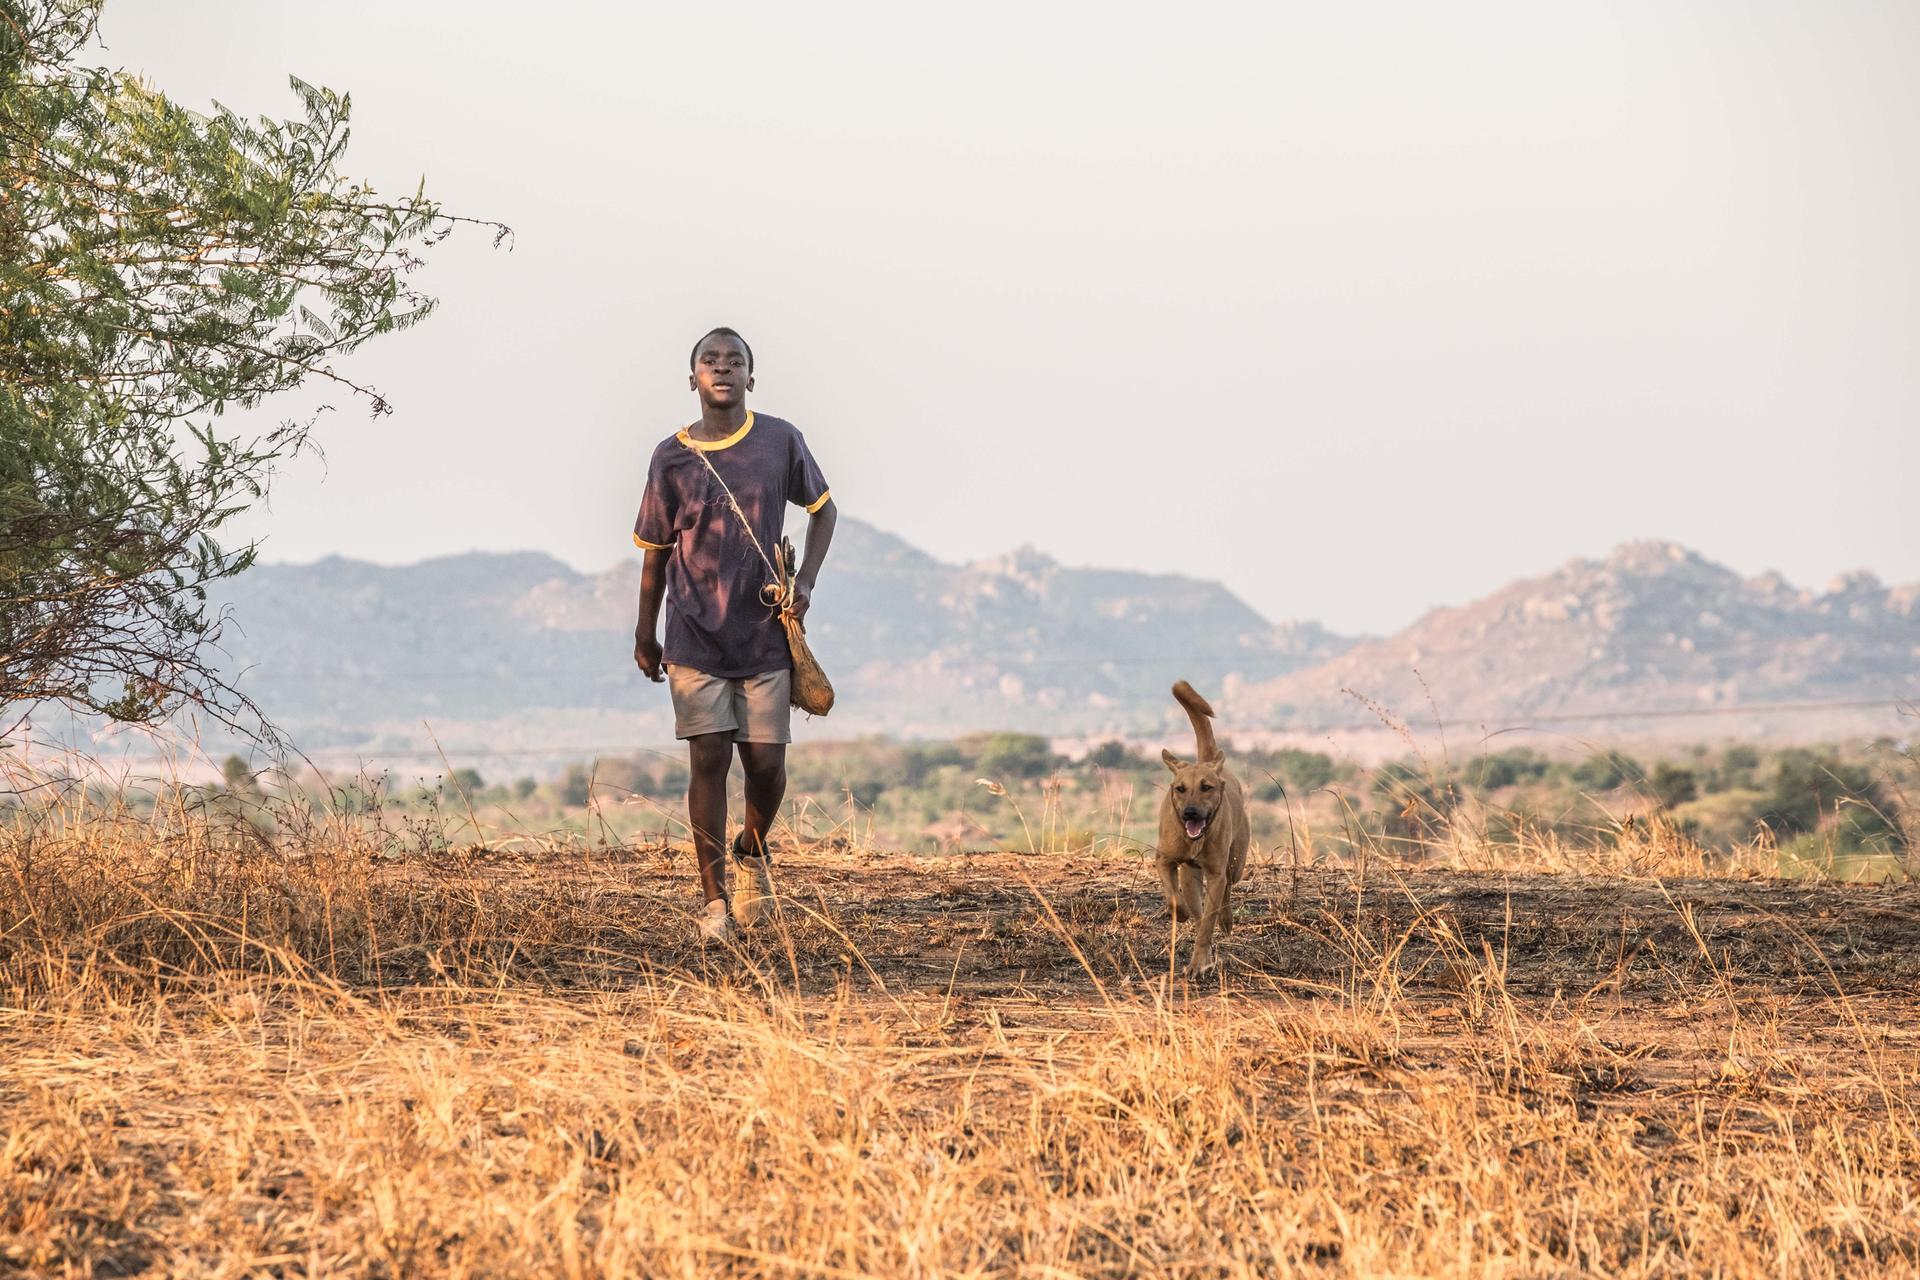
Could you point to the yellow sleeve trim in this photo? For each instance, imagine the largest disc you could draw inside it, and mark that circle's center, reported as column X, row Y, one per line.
column 819, row 502
column 644, row 545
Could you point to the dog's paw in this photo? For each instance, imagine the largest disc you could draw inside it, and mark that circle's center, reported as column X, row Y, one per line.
column 1201, row 965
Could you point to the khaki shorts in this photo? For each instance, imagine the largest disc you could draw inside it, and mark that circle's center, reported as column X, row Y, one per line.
column 751, row 708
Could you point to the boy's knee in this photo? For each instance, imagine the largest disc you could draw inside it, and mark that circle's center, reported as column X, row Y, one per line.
column 764, row 761
column 710, row 753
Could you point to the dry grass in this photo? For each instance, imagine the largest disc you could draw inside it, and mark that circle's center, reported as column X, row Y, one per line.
column 228, row 1055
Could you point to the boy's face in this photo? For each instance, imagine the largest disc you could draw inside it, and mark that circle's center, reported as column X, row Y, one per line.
column 720, row 372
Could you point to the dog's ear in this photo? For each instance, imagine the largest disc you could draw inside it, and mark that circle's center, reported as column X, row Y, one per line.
column 1173, row 761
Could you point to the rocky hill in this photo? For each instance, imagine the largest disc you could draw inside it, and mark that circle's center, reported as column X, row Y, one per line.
column 1653, row 627
column 519, row 650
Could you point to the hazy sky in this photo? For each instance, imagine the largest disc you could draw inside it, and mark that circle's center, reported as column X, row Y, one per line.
column 1357, row 308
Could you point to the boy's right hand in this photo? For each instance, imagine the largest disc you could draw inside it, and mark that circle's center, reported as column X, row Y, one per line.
column 646, row 656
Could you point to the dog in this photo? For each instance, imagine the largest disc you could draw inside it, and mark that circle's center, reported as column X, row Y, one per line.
column 1204, row 834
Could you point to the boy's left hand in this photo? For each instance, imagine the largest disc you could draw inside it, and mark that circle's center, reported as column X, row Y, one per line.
column 801, row 599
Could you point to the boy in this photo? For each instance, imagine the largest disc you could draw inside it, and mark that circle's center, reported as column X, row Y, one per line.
column 725, row 659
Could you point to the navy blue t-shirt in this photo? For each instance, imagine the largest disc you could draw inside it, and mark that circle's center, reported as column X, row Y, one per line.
column 716, row 620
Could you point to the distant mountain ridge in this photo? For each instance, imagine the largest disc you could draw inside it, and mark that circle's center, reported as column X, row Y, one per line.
column 518, row 651
column 1652, row 626
column 519, row 648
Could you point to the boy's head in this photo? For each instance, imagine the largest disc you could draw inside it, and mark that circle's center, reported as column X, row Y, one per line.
column 722, row 365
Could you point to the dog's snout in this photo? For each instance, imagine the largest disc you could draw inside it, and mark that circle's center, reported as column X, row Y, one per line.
column 1192, row 814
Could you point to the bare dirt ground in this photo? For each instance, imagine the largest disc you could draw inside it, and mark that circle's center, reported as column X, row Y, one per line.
column 979, row 1065
column 1061, row 929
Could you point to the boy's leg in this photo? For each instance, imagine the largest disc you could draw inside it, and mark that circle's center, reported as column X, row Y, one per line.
column 762, row 706
column 709, row 755
column 765, row 764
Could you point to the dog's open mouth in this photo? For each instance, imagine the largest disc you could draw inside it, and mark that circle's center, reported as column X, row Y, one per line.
column 1195, row 827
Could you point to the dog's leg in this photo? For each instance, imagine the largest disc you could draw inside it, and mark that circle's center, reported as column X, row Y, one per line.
column 1190, row 884
column 1236, row 872
column 1170, row 885
column 1203, row 957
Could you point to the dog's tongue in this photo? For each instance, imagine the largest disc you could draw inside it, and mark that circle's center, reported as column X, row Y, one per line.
column 1194, row 828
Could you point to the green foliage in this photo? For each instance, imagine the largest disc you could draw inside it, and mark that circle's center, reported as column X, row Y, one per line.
column 1722, row 819
column 1738, row 767
column 1497, row 770
column 237, row 774
column 1397, row 777
column 1605, row 770
column 1414, row 803
column 1673, row 785
column 1013, row 755
column 918, row 763
column 1864, row 805
column 1113, row 754
column 1818, row 791
column 1270, row 775
column 159, row 268
column 574, row 786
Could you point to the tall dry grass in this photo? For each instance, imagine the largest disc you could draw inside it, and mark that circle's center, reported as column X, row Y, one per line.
column 317, row 1052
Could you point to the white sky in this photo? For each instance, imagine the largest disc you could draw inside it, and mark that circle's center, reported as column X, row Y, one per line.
column 1357, row 308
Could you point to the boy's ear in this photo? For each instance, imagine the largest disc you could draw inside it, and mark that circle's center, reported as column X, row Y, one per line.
column 692, row 383
column 749, row 382
column 1173, row 761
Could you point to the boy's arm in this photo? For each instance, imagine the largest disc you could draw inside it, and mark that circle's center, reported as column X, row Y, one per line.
column 653, row 588
column 819, row 538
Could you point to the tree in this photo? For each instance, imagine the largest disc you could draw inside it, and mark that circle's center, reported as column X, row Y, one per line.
column 1014, row 755
column 160, row 268
column 1605, row 770
column 238, row 775
column 1818, row 791
column 1673, row 785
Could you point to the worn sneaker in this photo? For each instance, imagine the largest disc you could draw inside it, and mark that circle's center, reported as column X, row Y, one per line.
column 753, row 900
column 716, row 923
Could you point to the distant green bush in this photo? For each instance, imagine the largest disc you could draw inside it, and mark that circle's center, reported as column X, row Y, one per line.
column 1605, row 770
column 1301, row 771
column 1014, row 755
column 1505, row 769
column 1738, row 768
column 918, row 762
column 1673, row 785
column 1818, row 791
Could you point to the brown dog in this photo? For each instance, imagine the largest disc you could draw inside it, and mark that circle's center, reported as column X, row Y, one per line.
column 1204, row 834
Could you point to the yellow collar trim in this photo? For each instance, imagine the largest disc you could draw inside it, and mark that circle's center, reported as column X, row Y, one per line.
column 708, row 446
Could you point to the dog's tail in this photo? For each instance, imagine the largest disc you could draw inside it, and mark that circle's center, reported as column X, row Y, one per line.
column 1202, row 716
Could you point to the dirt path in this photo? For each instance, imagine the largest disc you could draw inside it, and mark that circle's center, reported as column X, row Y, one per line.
column 993, row 924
